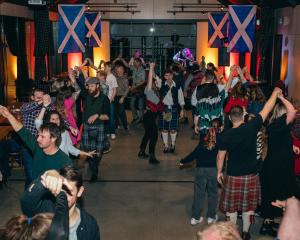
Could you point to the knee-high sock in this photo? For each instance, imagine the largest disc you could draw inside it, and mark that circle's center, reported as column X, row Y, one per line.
column 173, row 138
column 232, row 217
column 247, row 220
column 165, row 137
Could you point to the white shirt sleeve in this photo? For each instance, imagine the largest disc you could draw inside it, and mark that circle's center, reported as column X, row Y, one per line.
column 194, row 99
column 158, row 81
column 69, row 146
column 180, row 97
column 38, row 123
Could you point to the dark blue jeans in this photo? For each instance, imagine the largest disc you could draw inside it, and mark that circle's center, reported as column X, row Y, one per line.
column 112, row 120
column 205, row 183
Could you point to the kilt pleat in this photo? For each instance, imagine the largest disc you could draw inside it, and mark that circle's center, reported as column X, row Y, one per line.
column 240, row 193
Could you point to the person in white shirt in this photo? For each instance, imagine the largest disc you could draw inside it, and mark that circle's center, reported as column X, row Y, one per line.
column 54, row 117
column 112, row 84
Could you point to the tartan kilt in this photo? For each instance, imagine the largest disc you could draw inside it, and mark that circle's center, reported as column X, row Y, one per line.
column 169, row 125
column 93, row 138
column 240, row 193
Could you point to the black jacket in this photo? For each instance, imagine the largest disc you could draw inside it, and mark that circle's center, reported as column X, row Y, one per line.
column 37, row 199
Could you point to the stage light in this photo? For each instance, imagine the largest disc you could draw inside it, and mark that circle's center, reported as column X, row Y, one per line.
column 152, row 29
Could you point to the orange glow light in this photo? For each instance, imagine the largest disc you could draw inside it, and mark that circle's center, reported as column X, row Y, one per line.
column 234, row 60
column 211, row 54
column 74, row 59
column 102, row 52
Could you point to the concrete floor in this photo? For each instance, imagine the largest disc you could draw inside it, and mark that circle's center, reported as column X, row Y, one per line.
column 134, row 200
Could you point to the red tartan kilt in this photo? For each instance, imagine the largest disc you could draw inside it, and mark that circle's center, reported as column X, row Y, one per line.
column 240, row 194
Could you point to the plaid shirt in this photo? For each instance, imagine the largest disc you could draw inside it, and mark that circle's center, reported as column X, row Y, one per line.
column 29, row 113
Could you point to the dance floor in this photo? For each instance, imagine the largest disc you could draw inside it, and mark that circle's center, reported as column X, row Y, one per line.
column 134, row 200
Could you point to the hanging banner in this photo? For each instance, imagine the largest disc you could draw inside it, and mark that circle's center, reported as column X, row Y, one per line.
column 217, row 29
column 93, row 29
column 71, row 28
column 241, row 28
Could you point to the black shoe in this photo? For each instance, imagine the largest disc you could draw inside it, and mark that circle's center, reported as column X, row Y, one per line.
column 166, row 150
column 172, row 149
column 267, row 229
column 93, row 179
column 246, row 236
column 153, row 160
column 143, row 155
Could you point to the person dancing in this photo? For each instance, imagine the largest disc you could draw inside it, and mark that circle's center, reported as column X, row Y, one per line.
column 153, row 105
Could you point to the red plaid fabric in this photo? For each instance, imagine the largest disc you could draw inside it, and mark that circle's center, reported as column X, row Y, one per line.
column 240, row 194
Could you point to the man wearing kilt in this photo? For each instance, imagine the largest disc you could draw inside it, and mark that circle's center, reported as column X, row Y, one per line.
column 241, row 187
column 95, row 112
column 172, row 98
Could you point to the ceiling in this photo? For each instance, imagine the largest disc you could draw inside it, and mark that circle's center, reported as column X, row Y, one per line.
column 271, row 3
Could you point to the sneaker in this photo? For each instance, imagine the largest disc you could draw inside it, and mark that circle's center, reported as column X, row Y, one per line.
column 113, row 136
column 212, row 220
column 195, row 221
column 107, row 150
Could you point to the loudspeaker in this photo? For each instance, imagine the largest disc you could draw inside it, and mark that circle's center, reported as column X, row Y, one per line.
column 223, row 57
column 276, row 64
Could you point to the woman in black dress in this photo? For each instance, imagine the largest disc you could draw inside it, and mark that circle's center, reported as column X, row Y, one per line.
column 277, row 177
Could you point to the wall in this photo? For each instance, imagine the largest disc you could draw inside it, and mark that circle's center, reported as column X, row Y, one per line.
column 14, row 10
column 160, row 10
column 287, row 21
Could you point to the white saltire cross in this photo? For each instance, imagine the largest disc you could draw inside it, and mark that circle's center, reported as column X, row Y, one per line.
column 92, row 27
column 217, row 28
column 71, row 31
column 241, row 28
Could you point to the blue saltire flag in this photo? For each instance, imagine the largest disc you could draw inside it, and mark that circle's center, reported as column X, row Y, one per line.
column 217, row 29
column 71, row 28
column 93, row 29
column 241, row 28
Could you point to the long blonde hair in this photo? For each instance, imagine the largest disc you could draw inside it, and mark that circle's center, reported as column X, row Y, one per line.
column 278, row 111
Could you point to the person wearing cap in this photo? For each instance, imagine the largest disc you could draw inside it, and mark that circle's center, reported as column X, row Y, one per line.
column 95, row 113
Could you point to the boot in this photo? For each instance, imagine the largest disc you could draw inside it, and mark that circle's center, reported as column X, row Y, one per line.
column 153, row 160
column 267, row 228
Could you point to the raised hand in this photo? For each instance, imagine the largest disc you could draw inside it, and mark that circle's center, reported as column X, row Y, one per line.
column 152, row 65
column 4, row 112
column 46, row 100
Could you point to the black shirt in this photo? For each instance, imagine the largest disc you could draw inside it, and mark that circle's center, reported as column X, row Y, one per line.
column 204, row 158
column 240, row 143
column 96, row 105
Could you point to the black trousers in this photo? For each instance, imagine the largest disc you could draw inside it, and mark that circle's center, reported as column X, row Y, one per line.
column 120, row 112
column 93, row 164
column 151, row 132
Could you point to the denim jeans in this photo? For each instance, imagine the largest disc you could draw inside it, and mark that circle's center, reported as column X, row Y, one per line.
column 205, row 183
column 112, row 120
column 137, row 113
column 27, row 162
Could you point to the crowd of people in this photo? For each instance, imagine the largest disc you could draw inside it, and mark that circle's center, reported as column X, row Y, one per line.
column 80, row 115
